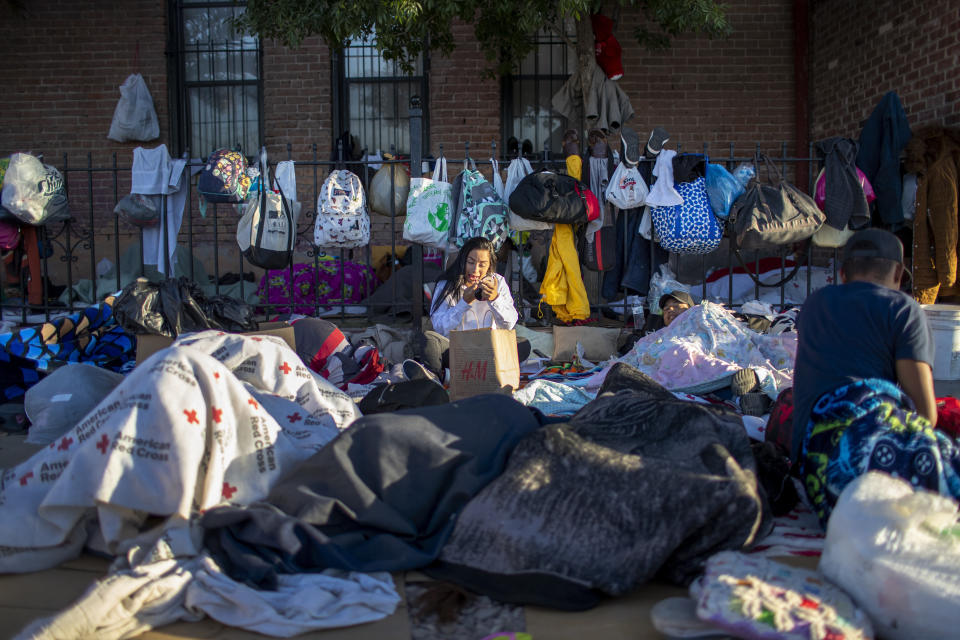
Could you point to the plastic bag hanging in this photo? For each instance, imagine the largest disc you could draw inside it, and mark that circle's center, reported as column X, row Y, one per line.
column 134, row 118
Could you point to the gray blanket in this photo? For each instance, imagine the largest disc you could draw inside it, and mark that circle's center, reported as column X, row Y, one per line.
column 638, row 484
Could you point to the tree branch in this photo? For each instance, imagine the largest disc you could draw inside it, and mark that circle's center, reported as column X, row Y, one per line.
column 557, row 27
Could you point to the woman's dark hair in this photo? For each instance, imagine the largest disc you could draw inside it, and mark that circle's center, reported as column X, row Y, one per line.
column 454, row 275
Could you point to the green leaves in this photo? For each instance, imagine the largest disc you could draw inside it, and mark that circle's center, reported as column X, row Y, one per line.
column 406, row 28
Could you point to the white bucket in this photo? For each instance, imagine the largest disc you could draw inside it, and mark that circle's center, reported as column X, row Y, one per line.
column 944, row 320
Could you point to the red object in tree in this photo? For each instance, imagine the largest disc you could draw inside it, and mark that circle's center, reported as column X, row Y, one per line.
column 948, row 416
column 607, row 48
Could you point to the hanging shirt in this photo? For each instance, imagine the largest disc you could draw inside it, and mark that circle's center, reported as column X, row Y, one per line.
column 460, row 315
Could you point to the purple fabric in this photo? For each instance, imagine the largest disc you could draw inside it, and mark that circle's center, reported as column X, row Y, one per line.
column 320, row 286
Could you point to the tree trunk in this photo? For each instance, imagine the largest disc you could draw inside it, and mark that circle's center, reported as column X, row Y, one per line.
column 586, row 60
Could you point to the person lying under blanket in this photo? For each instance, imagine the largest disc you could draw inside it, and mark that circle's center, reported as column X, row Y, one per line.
column 863, row 397
column 705, row 348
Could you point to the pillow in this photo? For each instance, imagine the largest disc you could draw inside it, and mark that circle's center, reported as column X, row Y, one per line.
column 598, row 343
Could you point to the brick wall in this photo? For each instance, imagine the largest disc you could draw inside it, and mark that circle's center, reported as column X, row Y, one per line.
column 861, row 50
column 737, row 90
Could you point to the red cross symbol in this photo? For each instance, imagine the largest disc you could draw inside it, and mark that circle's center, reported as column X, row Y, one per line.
column 191, row 416
column 253, row 403
column 217, row 413
column 257, row 339
column 103, row 444
column 216, row 375
column 23, row 478
column 228, row 490
column 285, row 368
column 65, row 444
column 295, row 417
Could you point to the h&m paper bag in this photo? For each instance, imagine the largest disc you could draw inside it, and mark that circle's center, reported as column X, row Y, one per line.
column 483, row 361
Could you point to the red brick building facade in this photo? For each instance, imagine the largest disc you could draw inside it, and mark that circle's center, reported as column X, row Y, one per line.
column 65, row 60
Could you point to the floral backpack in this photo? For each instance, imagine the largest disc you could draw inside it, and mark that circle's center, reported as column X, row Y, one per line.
column 342, row 217
column 224, row 177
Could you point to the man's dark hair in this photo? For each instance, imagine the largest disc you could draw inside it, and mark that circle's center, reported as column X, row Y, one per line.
column 868, row 268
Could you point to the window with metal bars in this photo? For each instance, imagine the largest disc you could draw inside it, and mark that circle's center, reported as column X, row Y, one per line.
column 376, row 97
column 528, row 119
column 217, row 96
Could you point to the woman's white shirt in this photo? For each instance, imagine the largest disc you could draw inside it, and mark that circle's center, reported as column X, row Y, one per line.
column 479, row 314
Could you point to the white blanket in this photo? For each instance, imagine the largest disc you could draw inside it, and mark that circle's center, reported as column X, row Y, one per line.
column 216, row 418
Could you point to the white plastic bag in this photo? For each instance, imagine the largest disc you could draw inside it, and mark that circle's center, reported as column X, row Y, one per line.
column 663, row 282
column 382, row 186
column 646, row 224
column 896, row 551
column 429, row 208
column 517, row 170
column 285, row 179
column 33, row 191
column 134, row 118
column 626, row 188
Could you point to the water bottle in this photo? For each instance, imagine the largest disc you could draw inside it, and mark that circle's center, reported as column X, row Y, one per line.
column 636, row 309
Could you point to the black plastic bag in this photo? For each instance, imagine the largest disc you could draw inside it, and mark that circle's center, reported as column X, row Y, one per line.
column 174, row 306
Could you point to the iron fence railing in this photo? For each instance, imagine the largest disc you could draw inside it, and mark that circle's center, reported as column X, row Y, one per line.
column 68, row 252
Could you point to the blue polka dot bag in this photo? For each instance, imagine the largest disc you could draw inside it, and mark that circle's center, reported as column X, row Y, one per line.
column 690, row 227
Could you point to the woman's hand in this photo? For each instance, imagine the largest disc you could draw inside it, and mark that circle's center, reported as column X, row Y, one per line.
column 470, row 293
column 490, row 291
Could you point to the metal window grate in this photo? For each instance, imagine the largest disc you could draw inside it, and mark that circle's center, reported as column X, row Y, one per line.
column 219, row 79
column 528, row 116
column 377, row 97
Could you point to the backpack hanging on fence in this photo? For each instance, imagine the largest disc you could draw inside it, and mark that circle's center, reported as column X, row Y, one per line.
column 33, row 191
column 478, row 210
column 342, row 218
column 429, row 208
column 224, row 178
column 773, row 214
column 690, row 227
column 267, row 231
column 545, row 196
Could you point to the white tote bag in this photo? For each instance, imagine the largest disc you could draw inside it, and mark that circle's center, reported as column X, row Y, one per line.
column 430, row 208
column 626, row 189
column 518, row 169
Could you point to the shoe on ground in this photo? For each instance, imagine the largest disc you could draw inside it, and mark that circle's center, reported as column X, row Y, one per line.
column 744, row 381
column 413, row 370
column 755, row 403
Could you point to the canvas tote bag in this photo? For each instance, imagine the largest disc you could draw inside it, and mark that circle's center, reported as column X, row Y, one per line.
column 429, row 208
column 483, row 361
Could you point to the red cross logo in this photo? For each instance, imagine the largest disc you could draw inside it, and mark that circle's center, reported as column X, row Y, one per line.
column 25, row 477
column 295, row 417
column 65, row 444
column 217, row 414
column 285, row 368
column 253, row 403
column 228, row 490
column 257, row 339
column 216, row 375
column 191, row 416
column 103, row 444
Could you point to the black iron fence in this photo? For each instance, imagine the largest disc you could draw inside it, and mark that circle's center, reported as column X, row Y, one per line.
column 46, row 275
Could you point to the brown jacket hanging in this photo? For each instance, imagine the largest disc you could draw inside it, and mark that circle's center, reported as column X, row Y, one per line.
column 934, row 155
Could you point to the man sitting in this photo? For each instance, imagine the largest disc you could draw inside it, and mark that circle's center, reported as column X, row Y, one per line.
column 857, row 342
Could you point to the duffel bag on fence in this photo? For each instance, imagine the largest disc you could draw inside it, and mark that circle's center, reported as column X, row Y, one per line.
column 479, row 211
column 545, row 196
column 342, row 218
column 429, row 208
column 224, row 177
column 773, row 214
column 690, row 227
column 33, row 191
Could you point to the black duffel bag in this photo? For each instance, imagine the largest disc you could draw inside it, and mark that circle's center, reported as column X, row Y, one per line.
column 545, row 196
